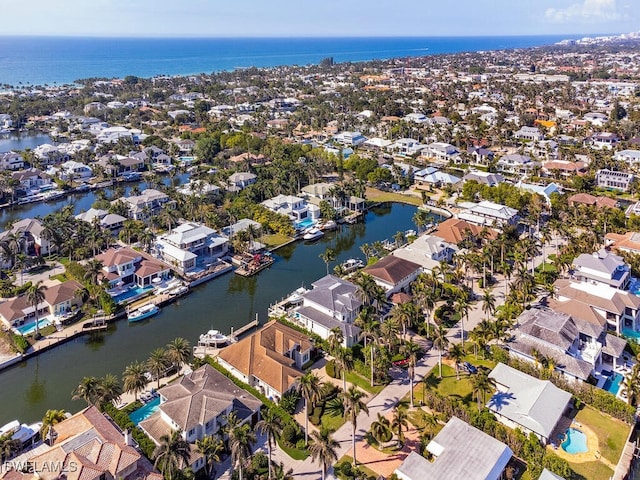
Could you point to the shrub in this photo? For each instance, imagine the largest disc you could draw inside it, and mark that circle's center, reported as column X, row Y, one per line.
column 300, row 445
column 289, row 435
column 289, row 401
column 21, row 343
column 330, row 367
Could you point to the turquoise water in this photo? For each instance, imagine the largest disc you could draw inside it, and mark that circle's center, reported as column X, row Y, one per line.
column 576, row 441
column 306, row 223
column 145, row 411
column 28, row 328
column 613, row 383
column 632, row 334
column 41, row 60
column 131, row 293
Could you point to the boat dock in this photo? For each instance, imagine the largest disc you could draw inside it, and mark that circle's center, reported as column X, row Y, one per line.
column 255, row 265
column 203, row 351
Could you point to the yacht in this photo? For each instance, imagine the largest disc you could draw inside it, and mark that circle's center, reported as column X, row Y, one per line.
column 27, row 435
column 140, row 313
column 213, row 338
column 352, row 264
column 313, row 234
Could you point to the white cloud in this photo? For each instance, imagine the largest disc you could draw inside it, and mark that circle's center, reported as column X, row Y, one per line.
column 588, row 11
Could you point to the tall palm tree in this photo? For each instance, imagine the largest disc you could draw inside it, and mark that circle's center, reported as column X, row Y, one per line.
column 440, row 341
column 241, row 441
column 328, row 256
column 323, row 448
column 631, row 385
column 89, row 390
column 310, row 388
column 50, row 419
column 158, row 363
column 271, row 426
column 172, row 454
column 482, row 384
column 9, row 447
column 456, row 353
column 211, row 448
column 400, row 422
column 344, row 362
column 178, row 351
column 134, row 378
column 335, row 340
column 462, row 306
column 349, row 404
column 92, row 271
column 488, row 302
column 381, row 429
column 412, row 350
column 35, row 296
column 110, row 389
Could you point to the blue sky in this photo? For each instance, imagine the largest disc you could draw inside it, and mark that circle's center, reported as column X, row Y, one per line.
column 286, row 18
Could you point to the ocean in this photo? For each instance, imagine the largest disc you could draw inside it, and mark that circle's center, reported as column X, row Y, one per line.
column 61, row 60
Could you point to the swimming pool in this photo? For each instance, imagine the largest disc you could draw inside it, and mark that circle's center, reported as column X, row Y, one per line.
column 132, row 293
column 632, row 334
column 575, row 441
column 305, row 223
column 145, row 411
column 28, row 328
column 612, row 384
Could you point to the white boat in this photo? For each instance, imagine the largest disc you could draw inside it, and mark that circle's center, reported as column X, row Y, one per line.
column 328, row 225
column 143, row 312
column 181, row 290
column 25, row 434
column 213, row 338
column 410, row 233
column 313, row 234
column 352, row 264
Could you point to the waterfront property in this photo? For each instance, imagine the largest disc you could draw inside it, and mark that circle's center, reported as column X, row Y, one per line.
column 427, row 251
column 94, row 445
column 270, row 359
column 147, row 204
column 331, row 303
column 525, row 402
column 124, row 268
column 602, row 268
column 459, row 451
column 30, row 238
column 490, row 214
column 295, row 208
column 198, row 404
column 60, row 301
column 455, row 230
column 614, row 180
column 190, row 245
column 393, row 274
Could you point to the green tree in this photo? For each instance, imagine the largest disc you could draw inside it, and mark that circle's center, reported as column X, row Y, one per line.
column 172, row 454
column 323, row 449
column 89, row 390
column 134, row 378
column 349, row 404
column 310, row 388
column 412, row 351
column 440, row 341
column 158, row 363
column 211, row 448
column 456, row 353
column 178, row 351
column 241, row 441
column 35, row 296
column 50, row 419
column 271, row 426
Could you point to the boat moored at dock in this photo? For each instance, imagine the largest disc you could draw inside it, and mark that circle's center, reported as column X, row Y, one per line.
column 140, row 313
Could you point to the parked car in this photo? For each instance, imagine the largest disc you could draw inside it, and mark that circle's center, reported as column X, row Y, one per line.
column 470, row 368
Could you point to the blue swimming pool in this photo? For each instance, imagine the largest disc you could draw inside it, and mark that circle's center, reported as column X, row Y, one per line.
column 612, row 384
column 145, row 411
column 132, row 293
column 632, row 334
column 305, row 223
column 575, row 441
column 28, row 328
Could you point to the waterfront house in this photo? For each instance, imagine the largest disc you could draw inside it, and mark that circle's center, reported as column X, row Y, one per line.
column 601, row 268
column 516, row 164
column 484, row 178
column 480, row 155
column 29, row 236
column 524, row 402
column 331, row 303
column 433, row 176
column 627, row 242
column 488, row 213
column 116, row 165
column 427, row 251
column 48, row 154
column 31, row 180
column 59, row 301
column 295, row 208
column 185, row 146
column 459, row 451
column 190, row 245
column 198, row 404
column 613, row 179
column 393, row 274
column 72, row 170
column 11, row 161
column 270, row 359
column 199, row 188
column 89, row 446
column 578, row 344
column 240, row 180
column 109, row 221
column 126, row 267
column 147, row 204
column 455, row 230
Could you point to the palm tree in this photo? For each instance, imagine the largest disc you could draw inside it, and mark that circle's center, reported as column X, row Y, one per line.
column 241, row 440
column 381, row 429
column 488, row 302
column 328, row 256
column 89, row 390
column 271, row 426
column 344, row 362
column 134, row 378
column 279, row 472
column 462, row 306
column 35, row 296
column 323, row 448
column 210, row 448
column 92, row 270
column 349, row 404
column 51, row 418
column 456, row 353
column 335, row 340
column 172, row 453
column 412, row 350
column 482, row 384
column 178, row 351
column 310, row 388
column 110, row 389
column 440, row 341
column 400, row 422
column 158, row 363
column 8, row 447
column 631, row 385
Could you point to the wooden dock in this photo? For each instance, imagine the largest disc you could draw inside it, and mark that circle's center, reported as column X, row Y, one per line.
column 242, row 330
column 251, row 268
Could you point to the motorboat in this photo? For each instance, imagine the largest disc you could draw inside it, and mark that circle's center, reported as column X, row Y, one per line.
column 352, row 264
column 329, row 225
column 140, row 313
column 180, row 290
column 313, row 234
column 25, row 434
column 213, row 338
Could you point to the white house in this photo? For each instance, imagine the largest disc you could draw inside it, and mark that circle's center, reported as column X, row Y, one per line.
column 294, row 207
column 11, row 161
column 529, row 134
column 614, row 179
column 488, row 213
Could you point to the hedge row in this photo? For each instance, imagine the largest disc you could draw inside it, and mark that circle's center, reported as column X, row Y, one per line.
column 121, row 417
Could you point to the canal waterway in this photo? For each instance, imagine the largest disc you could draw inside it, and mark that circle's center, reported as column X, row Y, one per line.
column 27, row 390
column 22, row 141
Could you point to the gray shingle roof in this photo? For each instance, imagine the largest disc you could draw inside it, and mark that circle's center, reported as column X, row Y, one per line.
column 335, row 294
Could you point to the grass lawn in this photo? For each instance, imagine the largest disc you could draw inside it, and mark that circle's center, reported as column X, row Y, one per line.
column 363, row 383
column 274, row 240
column 293, row 452
column 348, row 459
column 479, row 361
column 592, row 470
column 375, row 195
column 59, row 276
column 332, row 422
column 449, row 386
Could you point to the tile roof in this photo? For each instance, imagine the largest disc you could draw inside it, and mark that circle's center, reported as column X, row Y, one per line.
column 392, row 269
column 454, row 230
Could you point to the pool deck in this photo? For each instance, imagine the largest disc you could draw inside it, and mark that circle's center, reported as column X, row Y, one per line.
column 593, row 448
